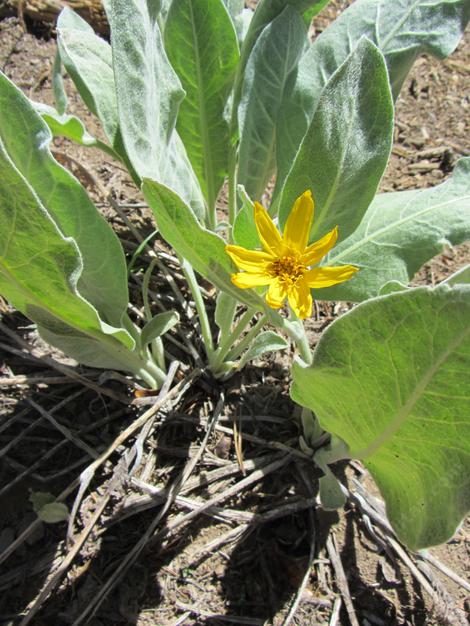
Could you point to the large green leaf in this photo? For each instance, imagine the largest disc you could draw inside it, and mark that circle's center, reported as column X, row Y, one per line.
column 40, row 268
column 274, row 55
column 400, row 232
column 347, row 145
column 87, row 59
column 402, row 30
column 266, row 12
column 26, row 139
column 202, row 47
column 149, row 94
column 390, row 378
column 203, row 249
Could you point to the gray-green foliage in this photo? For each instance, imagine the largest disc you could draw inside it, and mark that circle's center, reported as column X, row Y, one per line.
column 88, row 61
column 203, row 249
column 402, row 30
column 70, row 126
column 346, row 148
column 202, row 47
column 400, row 232
column 26, row 140
column 273, row 57
column 158, row 326
column 60, row 262
column 267, row 341
column 390, row 378
column 266, row 12
column 244, row 228
column 148, row 95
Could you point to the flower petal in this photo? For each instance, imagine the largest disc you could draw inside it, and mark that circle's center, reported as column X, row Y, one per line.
column 246, row 280
column 316, row 251
column 300, row 299
column 299, row 223
column 251, row 260
column 326, row 276
column 267, row 231
column 277, row 293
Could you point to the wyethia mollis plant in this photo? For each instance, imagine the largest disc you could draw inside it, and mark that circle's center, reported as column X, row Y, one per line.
column 195, row 93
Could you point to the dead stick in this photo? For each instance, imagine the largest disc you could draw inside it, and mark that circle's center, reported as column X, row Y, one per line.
column 131, row 556
column 341, row 579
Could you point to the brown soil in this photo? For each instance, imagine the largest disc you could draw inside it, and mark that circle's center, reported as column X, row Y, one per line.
column 182, row 577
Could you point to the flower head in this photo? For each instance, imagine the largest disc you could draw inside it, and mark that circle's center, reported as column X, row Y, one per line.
column 285, row 263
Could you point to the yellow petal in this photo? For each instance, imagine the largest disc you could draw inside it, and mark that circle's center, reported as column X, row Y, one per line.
column 316, row 251
column 300, row 299
column 251, row 260
column 245, row 280
column 299, row 223
column 277, row 293
column 267, row 231
column 326, row 276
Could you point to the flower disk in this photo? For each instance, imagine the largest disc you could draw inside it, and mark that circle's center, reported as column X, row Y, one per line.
column 285, row 263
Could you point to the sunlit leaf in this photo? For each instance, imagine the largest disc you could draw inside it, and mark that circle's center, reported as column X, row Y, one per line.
column 159, row 325
column 26, row 139
column 267, row 341
column 402, row 30
column 390, row 378
column 347, row 145
column 274, row 55
column 400, row 232
column 149, row 94
column 202, row 47
column 203, row 249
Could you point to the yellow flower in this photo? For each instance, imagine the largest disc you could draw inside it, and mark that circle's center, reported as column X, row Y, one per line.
column 285, row 263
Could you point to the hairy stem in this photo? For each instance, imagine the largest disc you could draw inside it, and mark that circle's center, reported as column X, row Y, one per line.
column 200, row 308
column 226, row 345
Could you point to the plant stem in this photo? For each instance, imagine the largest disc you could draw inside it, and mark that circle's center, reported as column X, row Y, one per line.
column 232, row 191
column 247, row 339
column 226, row 345
column 200, row 307
column 301, row 342
column 157, row 344
column 296, row 331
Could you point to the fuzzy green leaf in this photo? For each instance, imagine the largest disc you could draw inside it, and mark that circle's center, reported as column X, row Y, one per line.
column 244, row 228
column 71, row 127
column 347, row 145
column 159, row 325
column 266, row 12
column 60, row 95
column 402, row 30
column 267, row 341
column 40, row 268
column 390, row 378
column 400, row 232
column 149, row 94
column 225, row 308
column 203, row 249
column 202, row 47
column 26, row 139
column 87, row 59
column 274, row 55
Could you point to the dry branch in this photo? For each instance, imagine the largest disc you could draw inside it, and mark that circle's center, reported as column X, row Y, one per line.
column 47, row 11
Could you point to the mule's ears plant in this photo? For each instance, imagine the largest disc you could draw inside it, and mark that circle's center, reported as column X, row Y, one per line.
column 197, row 92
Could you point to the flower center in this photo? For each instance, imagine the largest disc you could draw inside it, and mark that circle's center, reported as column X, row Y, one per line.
column 288, row 268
